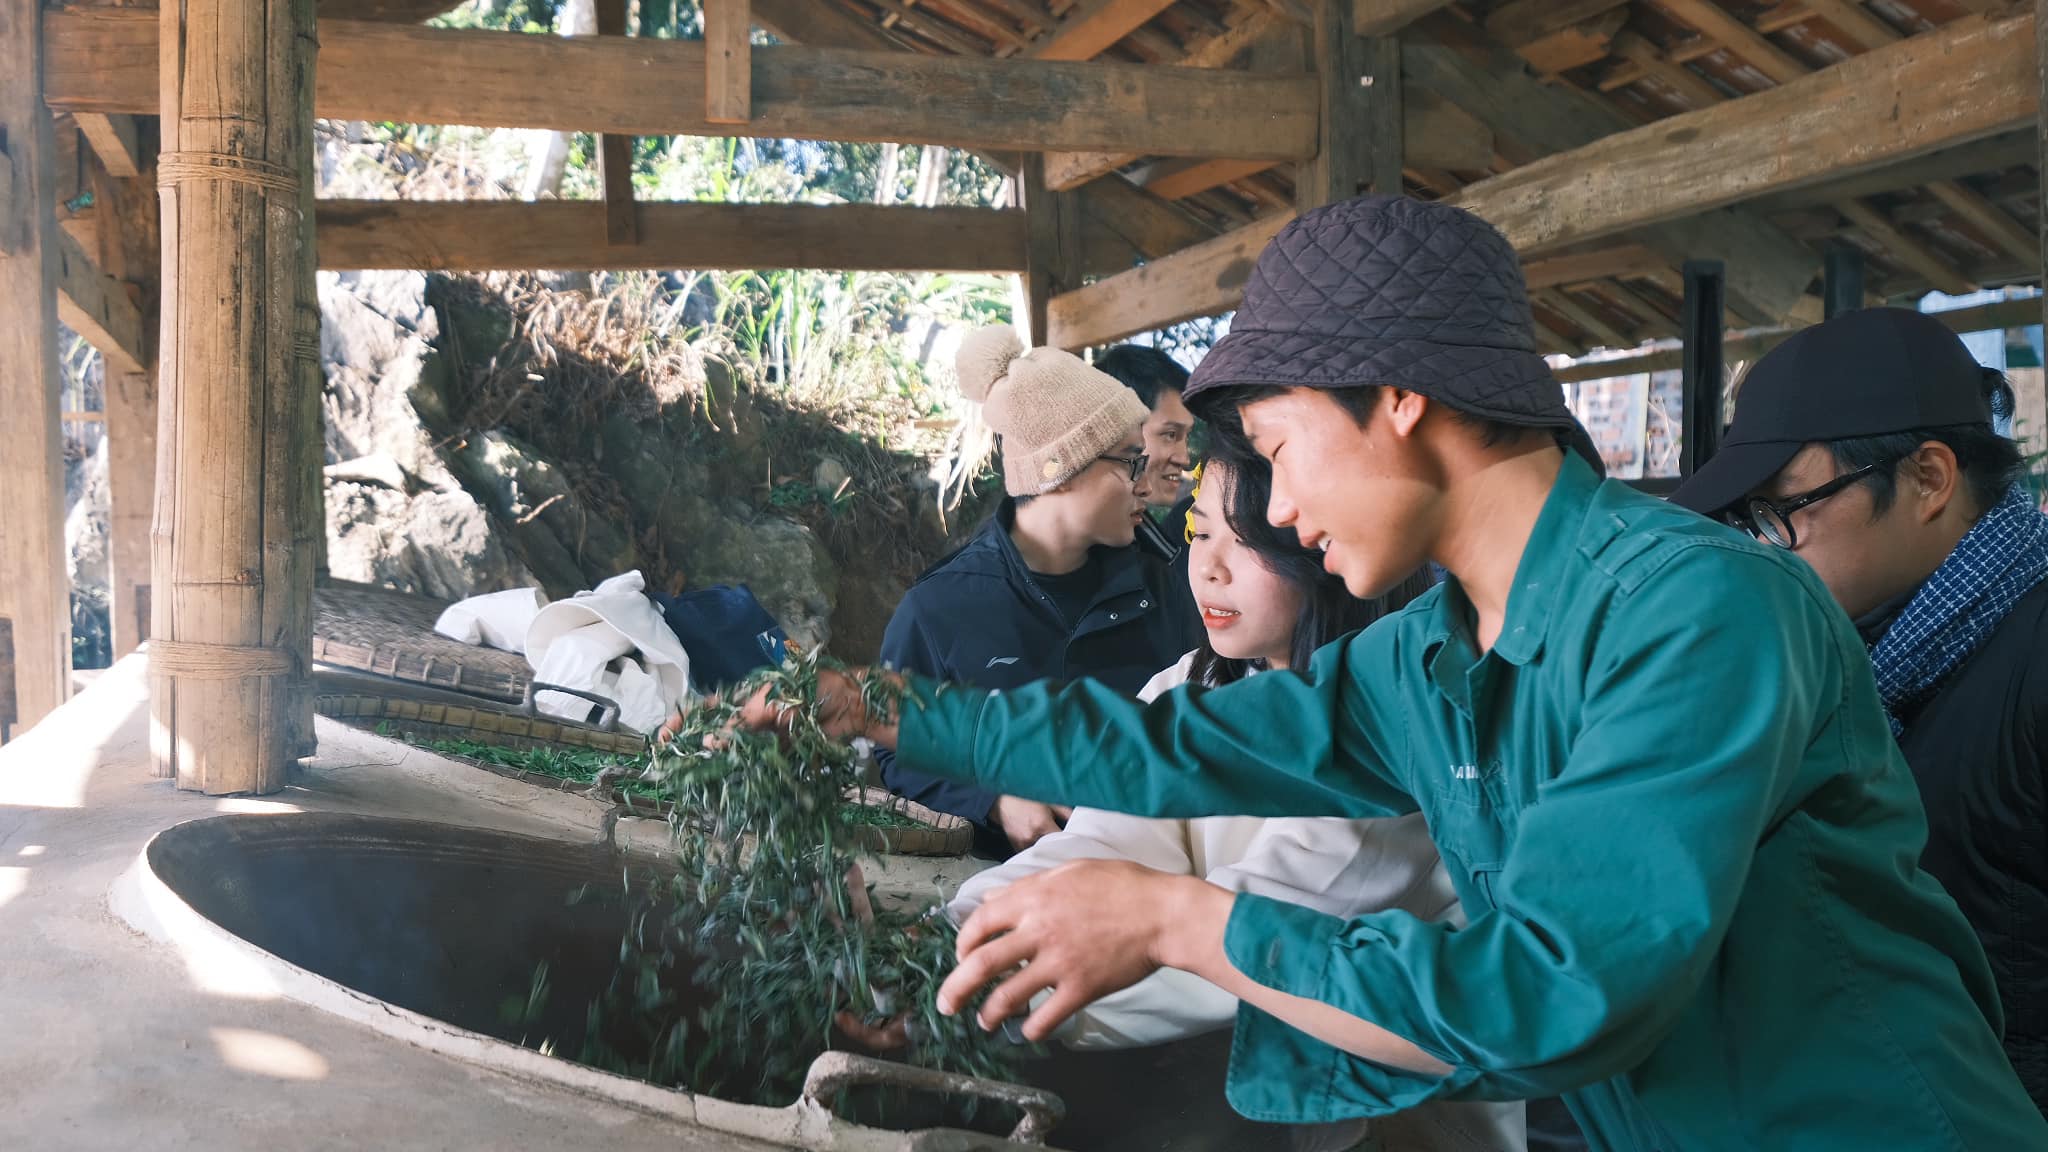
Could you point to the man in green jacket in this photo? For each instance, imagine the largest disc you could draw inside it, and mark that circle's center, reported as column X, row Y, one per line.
column 1650, row 750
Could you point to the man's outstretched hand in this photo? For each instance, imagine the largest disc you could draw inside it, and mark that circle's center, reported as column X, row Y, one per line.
column 842, row 709
column 1083, row 930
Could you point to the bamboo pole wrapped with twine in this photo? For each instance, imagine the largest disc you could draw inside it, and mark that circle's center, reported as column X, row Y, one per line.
column 232, row 586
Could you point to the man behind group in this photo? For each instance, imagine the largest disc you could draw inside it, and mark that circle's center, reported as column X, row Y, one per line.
column 1158, row 381
column 1865, row 445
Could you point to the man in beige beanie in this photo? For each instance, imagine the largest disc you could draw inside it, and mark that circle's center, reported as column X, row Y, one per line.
column 1051, row 585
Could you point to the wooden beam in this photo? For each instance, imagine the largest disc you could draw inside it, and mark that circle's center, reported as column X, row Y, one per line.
column 1520, row 22
column 1201, row 281
column 1053, row 249
column 1033, row 18
column 35, row 584
column 1435, row 133
column 988, row 23
column 95, row 306
column 1768, row 271
column 1854, row 21
column 1690, row 86
column 392, row 11
column 1180, row 179
column 1385, row 17
column 898, row 13
column 1718, row 24
column 567, row 235
column 1964, row 82
column 821, row 23
column 1614, row 260
column 1653, row 318
column 1700, row 47
column 114, row 139
column 1988, row 219
column 1583, row 318
column 104, row 60
column 1905, row 250
column 1121, row 221
column 728, row 57
column 1995, row 154
column 1992, row 317
column 1065, row 170
column 1091, row 26
column 1152, row 226
column 1360, row 143
column 1584, row 43
column 1552, row 342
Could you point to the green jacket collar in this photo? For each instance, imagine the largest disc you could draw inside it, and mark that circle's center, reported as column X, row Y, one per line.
column 1546, row 568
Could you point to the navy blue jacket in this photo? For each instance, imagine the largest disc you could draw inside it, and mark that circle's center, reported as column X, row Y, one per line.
column 977, row 617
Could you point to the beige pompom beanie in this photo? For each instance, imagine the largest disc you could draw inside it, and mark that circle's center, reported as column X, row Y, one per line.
column 1056, row 415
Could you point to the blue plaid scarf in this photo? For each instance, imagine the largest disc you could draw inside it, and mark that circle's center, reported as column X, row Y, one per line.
column 1999, row 560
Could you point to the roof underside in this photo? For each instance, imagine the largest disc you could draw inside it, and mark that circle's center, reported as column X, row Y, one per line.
column 1961, row 219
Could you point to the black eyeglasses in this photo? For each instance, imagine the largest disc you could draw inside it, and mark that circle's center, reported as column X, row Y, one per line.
column 1772, row 519
column 1135, row 463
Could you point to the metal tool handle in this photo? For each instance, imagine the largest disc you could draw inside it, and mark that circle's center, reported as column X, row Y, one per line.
column 1152, row 538
column 608, row 708
column 834, row 1071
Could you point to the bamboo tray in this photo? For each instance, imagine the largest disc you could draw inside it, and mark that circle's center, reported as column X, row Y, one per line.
column 427, row 715
column 391, row 634
column 420, row 718
column 938, row 834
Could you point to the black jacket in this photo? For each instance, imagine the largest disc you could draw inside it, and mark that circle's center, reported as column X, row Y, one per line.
column 1977, row 750
column 978, row 618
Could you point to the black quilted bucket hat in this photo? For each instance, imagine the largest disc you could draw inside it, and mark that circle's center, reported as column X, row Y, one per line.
column 1396, row 292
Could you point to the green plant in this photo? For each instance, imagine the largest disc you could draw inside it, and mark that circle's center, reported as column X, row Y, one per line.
column 734, row 971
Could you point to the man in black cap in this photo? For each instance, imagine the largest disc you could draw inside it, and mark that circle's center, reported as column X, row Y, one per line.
column 1866, row 447
column 1682, row 835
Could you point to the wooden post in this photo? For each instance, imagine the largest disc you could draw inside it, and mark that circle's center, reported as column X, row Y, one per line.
column 1841, row 279
column 728, row 62
column 1359, row 135
column 615, row 152
column 1702, row 377
column 35, row 582
column 1052, row 252
column 131, row 246
column 307, row 453
column 226, row 650
column 131, row 499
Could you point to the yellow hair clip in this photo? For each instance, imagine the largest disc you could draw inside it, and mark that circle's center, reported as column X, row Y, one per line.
column 1194, row 493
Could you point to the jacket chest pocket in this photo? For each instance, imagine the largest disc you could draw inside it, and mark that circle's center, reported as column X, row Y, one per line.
column 1473, row 826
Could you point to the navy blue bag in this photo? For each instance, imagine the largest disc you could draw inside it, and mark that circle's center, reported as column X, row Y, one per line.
column 726, row 632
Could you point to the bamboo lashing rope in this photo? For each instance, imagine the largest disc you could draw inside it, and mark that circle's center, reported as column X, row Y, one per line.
column 218, row 661
column 175, row 168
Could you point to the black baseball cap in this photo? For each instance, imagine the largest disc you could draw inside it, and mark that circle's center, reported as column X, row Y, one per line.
column 1863, row 373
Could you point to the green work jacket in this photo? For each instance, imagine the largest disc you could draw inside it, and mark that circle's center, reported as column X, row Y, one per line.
column 1685, row 840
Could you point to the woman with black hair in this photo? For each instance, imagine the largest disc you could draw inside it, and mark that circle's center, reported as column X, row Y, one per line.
column 1267, row 605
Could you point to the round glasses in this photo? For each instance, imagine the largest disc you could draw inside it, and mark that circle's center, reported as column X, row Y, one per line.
column 1135, row 463
column 1772, row 519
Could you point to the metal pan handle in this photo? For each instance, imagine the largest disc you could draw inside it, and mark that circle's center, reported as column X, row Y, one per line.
column 834, row 1071
column 608, row 708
